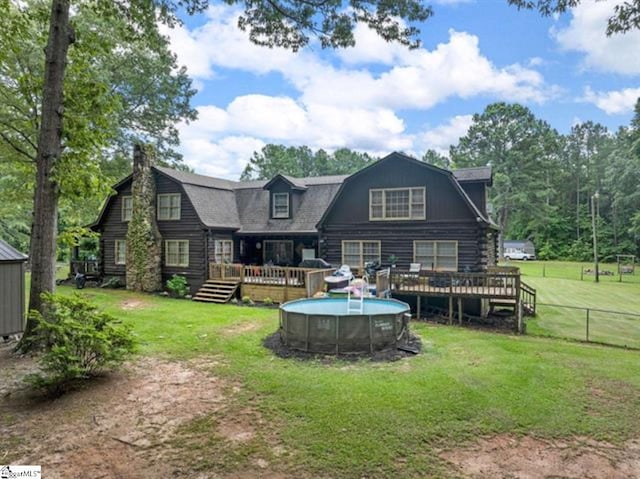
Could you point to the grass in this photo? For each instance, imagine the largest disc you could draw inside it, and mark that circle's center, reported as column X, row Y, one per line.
column 616, row 329
column 573, row 270
column 368, row 419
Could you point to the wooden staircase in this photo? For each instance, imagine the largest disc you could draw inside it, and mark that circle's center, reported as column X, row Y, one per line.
column 217, row 291
column 528, row 298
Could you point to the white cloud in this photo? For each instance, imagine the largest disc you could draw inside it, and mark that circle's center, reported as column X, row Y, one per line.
column 613, row 102
column 586, row 33
column 339, row 100
column 415, row 78
column 441, row 137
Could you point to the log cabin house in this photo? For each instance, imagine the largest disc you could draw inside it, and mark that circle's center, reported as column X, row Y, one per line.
column 398, row 208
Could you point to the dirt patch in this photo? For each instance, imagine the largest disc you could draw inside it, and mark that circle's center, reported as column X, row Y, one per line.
column 275, row 344
column 131, row 304
column 509, row 457
column 126, row 424
column 14, row 367
column 241, row 328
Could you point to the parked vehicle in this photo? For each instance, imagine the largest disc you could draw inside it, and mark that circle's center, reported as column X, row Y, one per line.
column 521, row 255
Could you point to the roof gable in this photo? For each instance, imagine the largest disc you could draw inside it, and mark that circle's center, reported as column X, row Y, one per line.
column 401, row 157
column 9, row 253
column 293, row 183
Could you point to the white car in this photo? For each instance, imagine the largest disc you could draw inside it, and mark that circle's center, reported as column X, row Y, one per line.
column 519, row 255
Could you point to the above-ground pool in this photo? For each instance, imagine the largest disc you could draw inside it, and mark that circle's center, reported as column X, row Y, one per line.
column 323, row 325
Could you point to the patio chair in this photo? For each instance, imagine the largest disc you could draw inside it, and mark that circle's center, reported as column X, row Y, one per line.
column 413, row 278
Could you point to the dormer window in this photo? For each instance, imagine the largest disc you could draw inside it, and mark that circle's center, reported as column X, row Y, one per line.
column 280, row 202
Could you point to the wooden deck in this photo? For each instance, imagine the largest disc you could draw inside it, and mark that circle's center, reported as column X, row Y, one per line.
column 279, row 284
column 500, row 286
column 466, row 285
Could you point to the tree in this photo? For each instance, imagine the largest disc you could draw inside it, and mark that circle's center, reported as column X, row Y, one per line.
column 119, row 85
column 302, row 161
column 587, row 148
column 521, row 149
column 275, row 23
column 434, row 158
column 625, row 17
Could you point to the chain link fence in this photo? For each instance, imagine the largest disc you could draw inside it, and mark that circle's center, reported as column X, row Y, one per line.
column 593, row 325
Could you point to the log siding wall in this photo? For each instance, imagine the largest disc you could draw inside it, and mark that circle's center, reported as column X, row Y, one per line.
column 448, row 216
column 188, row 227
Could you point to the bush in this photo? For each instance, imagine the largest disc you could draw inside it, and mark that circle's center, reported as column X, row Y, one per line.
column 177, row 286
column 78, row 341
column 267, row 301
column 247, row 300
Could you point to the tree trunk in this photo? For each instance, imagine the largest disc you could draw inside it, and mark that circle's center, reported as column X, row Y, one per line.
column 45, row 209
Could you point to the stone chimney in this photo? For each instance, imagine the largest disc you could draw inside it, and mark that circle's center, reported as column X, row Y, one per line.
column 144, row 242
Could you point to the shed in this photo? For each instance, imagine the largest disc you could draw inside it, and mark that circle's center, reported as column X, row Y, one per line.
column 12, row 289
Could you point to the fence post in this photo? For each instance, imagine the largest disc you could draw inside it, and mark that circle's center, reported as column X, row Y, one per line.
column 587, row 324
column 544, row 270
column 581, row 273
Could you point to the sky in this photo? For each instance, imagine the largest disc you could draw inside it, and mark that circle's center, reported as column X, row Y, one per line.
column 380, row 97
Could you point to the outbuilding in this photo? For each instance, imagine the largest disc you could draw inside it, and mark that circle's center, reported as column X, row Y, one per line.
column 12, row 290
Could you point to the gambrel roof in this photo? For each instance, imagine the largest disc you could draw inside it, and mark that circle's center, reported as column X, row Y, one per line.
column 243, row 206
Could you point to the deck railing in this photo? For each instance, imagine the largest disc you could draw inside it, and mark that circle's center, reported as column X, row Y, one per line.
column 383, row 283
column 528, row 298
column 314, row 280
column 270, row 275
column 86, row 267
column 485, row 284
column 226, row 271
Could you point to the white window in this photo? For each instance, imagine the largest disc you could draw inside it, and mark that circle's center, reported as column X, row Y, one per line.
column 436, row 255
column 397, row 204
column 357, row 253
column 278, row 252
column 280, row 205
column 120, row 252
column 176, row 253
column 127, row 208
column 223, row 251
column 169, row 206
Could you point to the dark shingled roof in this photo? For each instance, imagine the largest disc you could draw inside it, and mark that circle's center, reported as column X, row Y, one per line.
column 215, row 207
column 479, row 173
column 253, row 209
column 244, row 205
column 197, row 180
column 9, row 253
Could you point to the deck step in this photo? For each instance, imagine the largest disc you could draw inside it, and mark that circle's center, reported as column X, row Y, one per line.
column 208, row 300
column 216, row 291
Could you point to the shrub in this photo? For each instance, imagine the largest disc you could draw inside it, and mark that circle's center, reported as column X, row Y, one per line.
column 267, row 301
column 177, row 286
column 247, row 300
column 78, row 341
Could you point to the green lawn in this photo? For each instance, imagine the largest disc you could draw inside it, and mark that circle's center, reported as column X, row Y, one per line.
column 572, row 270
column 622, row 330
column 368, row 419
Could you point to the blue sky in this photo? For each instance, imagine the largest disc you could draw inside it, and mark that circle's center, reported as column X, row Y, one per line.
column 380, row 97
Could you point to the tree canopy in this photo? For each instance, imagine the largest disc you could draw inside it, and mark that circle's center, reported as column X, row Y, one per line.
column 302, row 161
column 624, row 18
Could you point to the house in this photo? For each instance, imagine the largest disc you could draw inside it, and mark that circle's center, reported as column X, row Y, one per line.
column 397, row 206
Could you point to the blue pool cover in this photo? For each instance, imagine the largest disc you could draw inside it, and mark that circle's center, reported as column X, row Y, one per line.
column 338, row 306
